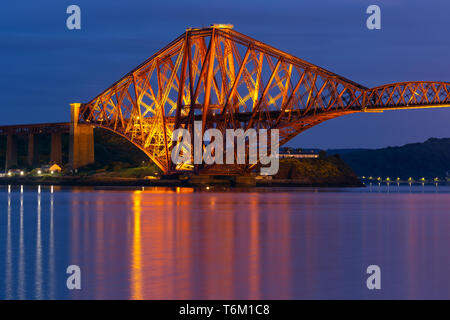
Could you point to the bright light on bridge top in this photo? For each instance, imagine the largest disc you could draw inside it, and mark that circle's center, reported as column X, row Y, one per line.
column 217, row 26
column 223, row 26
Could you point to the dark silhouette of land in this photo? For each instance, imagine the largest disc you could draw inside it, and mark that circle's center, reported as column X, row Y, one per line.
column 429, row 159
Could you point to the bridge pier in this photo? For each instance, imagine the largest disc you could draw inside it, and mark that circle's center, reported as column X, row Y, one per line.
column 56, row 148
column 11, row 151
column 33, row 150
column 81, row 144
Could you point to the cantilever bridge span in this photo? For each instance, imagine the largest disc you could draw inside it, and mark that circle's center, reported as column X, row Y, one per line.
column 231, row 81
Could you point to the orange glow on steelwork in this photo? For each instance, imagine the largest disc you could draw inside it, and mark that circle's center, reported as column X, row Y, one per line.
column 231, row 81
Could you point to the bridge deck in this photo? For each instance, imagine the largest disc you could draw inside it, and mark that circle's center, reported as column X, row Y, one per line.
column 22, row 129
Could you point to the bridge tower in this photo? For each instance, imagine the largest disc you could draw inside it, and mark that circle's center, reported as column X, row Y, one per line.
column 81, row 143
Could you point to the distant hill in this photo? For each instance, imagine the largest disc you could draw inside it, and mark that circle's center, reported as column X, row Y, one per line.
column 342, row 151
column 428, row 159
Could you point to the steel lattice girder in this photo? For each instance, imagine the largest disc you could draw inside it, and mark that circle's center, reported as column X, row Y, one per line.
column 230, row 81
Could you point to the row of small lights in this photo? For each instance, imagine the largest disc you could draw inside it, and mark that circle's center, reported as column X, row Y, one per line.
column 398, row 179
column 23, row 173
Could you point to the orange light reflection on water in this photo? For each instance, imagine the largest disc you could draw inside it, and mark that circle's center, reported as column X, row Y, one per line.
column 136, row 267
column 174, row 243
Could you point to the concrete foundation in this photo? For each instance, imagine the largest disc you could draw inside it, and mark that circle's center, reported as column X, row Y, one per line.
column 81, row 143
column 56, row 149
column 11, row 151
column 33, row 151
column 248, row 181
column 206, row 180
column 200, row 180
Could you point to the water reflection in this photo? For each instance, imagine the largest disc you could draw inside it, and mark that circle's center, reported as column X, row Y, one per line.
column 161, row 243
column 51, row 246
column 9, row 263
column 21, row 289
column 25, row 251
column 38, row 276
column 136, row 266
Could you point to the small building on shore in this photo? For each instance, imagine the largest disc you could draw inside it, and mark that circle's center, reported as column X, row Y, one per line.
column 288, row 152
column 51, row 168
column 299, row 155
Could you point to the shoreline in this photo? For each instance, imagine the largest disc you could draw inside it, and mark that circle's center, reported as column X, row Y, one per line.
column 116, row 181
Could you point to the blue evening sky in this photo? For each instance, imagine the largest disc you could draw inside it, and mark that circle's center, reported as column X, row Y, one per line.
column 44, row 66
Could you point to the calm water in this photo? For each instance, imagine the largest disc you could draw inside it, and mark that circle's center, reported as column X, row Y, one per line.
column 161, row 243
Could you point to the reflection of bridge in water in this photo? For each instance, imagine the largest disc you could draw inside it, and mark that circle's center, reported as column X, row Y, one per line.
column 228, row 81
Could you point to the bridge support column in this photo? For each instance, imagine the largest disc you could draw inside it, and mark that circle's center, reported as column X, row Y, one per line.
column 11, row 151
column 33, row 150
column 81, row 145
column 56, row 148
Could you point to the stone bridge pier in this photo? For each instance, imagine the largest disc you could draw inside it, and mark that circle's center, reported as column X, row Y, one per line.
column 56, row 148
column 81, row 142
column 11, row 151
column 33, row 150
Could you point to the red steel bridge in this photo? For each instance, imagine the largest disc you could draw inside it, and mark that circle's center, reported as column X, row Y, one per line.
column 228, row 80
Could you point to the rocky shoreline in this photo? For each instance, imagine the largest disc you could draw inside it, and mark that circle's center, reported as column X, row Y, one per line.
column 116, row 181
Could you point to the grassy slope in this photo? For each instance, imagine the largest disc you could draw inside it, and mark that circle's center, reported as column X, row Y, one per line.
column 117, row 157
column 328, row 170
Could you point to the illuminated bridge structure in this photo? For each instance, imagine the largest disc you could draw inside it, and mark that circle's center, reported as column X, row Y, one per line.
column 228, row 80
